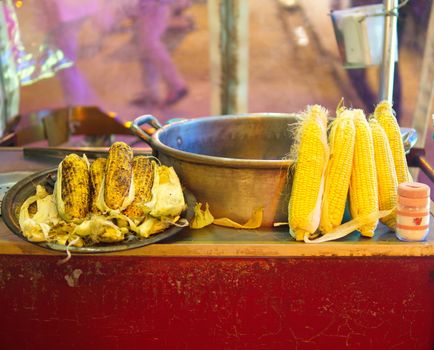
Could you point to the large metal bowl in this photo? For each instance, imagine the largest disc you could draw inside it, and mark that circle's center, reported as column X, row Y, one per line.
column 236, row 163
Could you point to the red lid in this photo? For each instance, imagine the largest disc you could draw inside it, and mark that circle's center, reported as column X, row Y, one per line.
column 413, row 190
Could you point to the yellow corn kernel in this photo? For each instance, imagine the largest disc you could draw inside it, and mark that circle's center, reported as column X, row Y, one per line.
column 74, row 191
column 338, row 174
column 118, row 175
column 97, row 169
column 386, row 174
column 308, row 183
column 143, row 174
column 363, row 184
column 385, row 116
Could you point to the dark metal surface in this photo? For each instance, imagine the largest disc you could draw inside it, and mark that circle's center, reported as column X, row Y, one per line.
column 60, row 153
column 257, row 140
column 244, row 140
column 7, row 180
column 26, row 187
column 416, row 158
column 57, row 125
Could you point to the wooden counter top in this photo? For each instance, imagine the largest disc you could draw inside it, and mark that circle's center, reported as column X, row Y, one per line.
column 214, row 241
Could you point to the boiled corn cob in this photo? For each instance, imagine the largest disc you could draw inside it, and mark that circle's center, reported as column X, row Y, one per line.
column 72, row 188
column 97, row 169
column 386, row 174
column 385, row 116
column 143, row 174
column 308, row 184
column 338, row 174
column 118, row 176
column 363, row 184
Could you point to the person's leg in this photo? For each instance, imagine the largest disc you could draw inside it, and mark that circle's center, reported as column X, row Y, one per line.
column 149, row 72
column 75, row 86
column 150, row 26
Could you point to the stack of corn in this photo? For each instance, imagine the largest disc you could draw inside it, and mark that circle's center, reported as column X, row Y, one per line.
column 110, row 198
column 365, row 164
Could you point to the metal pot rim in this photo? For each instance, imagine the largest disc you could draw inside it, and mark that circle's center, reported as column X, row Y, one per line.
column 221, row 161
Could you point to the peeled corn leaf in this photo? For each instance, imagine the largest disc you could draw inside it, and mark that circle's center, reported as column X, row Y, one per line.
column 255, row 221
column 201, row 217
column 350, row 226
column 152, row 225
column 99, row 229
column 37, row 227
column 76, row 242
column 167, row 197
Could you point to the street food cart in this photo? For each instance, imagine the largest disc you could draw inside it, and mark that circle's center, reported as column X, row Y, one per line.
column 218, row 287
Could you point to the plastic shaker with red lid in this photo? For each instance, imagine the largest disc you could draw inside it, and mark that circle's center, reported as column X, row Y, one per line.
column 413, row 211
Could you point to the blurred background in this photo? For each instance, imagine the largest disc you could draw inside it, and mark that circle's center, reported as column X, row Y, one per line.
column 134, row 57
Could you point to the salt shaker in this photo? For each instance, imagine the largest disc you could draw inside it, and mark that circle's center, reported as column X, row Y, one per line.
column 413, row 211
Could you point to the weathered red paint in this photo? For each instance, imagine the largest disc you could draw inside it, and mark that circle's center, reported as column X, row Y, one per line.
column 197, row 303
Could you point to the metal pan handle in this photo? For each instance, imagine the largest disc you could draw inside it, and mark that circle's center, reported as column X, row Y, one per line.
column 145, row 135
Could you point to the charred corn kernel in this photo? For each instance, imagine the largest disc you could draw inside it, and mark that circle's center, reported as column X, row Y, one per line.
column 97, row 169
column 308, row 183
column 385, row 116
column 338, row 174
column 73, row 177
column 143, row 174
column 363, row 184
column 118, row 175
column 386, row 174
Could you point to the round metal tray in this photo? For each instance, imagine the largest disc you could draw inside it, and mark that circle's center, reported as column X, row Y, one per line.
column 14, row 198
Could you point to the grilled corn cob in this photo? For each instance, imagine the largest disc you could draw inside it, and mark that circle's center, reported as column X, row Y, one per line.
column 308, row 184
column 97, row 169
column 143, row 174
column 118, row 183
column 385, row 116
column 386, row 174
column 72, row 188
column 338, row 174
column 363, row 184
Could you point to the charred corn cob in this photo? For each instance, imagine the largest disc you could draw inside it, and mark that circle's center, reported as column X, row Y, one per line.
column 363, row 184
column 338, row 174
column 386, row 174
column 97, row 169
column 143, row 174
column 308, row 184
column 118, row 177
column 385, row 116
column 72, row 188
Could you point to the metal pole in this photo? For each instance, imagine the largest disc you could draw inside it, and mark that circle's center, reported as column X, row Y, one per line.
column 423, row 109
column 423, row 112
column 389, row 52
column 229, row 55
